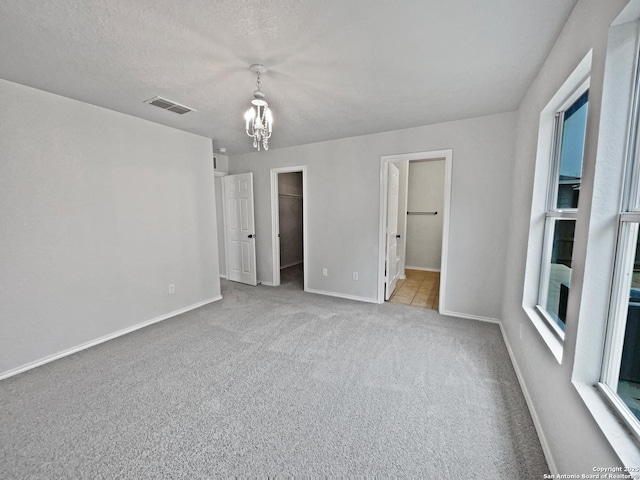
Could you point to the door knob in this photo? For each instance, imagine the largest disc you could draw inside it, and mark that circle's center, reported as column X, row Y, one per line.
column 251, row 236
column 397, row 236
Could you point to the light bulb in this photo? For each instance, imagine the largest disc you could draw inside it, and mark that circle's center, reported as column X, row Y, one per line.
column 269, row 119
column 248, row 116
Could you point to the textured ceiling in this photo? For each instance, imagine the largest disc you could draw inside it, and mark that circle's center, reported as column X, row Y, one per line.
column 337, row 68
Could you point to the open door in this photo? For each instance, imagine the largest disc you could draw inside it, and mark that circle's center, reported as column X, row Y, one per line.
column 391, row 257
column 240, row 234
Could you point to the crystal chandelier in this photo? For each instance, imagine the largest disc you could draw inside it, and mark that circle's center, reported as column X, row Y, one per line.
column 259, row 121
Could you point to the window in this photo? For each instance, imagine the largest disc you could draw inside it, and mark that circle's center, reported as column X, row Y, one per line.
column 562, row 208
column 620, row 379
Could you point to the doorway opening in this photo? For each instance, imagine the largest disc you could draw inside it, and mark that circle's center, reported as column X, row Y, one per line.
column 289, row 227
column 414, row 228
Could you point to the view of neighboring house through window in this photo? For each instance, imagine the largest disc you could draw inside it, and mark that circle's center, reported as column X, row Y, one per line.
column 562, row 208
column 573, row 126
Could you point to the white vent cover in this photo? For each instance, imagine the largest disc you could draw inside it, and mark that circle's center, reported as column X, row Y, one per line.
column 169, row 105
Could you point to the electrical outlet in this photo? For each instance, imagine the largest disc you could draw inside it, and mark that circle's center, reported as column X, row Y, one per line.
column 520, row 329
column 324, row 272
column 172, row 288
column 355, row 275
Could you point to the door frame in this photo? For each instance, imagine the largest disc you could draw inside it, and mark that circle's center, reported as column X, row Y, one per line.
column 223, row 209
column 275, row 221
column 447, row 154
column 391, row 281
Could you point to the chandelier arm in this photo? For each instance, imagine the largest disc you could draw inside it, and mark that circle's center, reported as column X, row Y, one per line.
column 249, row 129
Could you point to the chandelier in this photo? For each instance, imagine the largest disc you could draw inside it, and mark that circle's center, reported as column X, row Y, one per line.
column 259, row 120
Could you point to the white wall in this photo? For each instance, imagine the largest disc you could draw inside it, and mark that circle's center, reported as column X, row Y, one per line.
column 424, row 232
column 100, row 212
column 343, row 189
column 290, row 218
column 221, row 162
column 571, row 433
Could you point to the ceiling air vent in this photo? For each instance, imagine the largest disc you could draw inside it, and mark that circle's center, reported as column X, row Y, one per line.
column 169, row 105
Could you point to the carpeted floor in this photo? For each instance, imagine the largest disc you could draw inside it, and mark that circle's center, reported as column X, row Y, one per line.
column 276, row 382
column 292, row 278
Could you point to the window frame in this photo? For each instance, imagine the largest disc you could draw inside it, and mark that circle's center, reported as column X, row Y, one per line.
column 626, row 244
column 628, row 231
column 552, row 213
column 606, row 159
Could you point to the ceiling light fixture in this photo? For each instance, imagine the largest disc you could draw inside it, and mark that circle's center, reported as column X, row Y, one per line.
column 259, row 120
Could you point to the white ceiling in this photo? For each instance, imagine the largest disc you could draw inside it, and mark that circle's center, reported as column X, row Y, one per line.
column 337, row 68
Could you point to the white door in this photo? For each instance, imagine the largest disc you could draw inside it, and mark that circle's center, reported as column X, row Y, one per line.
column 391, row 258
column 241, row 239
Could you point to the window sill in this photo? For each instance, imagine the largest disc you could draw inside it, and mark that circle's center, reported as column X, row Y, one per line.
column 616, row 432
column 550, row 339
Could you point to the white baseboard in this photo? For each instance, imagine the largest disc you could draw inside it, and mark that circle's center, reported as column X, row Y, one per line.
column 402, row 277
column 268, row 284
column 470, row 317
column 546, row 449
column 223, row 276
column 342, row 295
column 424, row 269
column 97, row 341
column 291, row 264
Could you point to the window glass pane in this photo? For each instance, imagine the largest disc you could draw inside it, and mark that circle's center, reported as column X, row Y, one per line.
column 571, row 152
column 560, row 270
column 629, row 379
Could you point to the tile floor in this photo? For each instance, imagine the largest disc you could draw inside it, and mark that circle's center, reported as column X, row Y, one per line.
column 420, row 289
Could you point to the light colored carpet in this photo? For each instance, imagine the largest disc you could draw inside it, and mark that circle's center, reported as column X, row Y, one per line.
column 277, row 382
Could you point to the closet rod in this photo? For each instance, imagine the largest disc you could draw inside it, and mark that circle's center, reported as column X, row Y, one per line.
column 422, row 213
column 293, row 195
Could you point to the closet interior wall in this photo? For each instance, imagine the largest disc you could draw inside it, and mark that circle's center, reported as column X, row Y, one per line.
column 425, row 205
column 290, row 212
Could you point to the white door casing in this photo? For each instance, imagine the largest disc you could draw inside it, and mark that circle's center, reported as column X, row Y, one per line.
column 391, row 257
column 240, row 228
column 275, row 222
column 385, row 160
